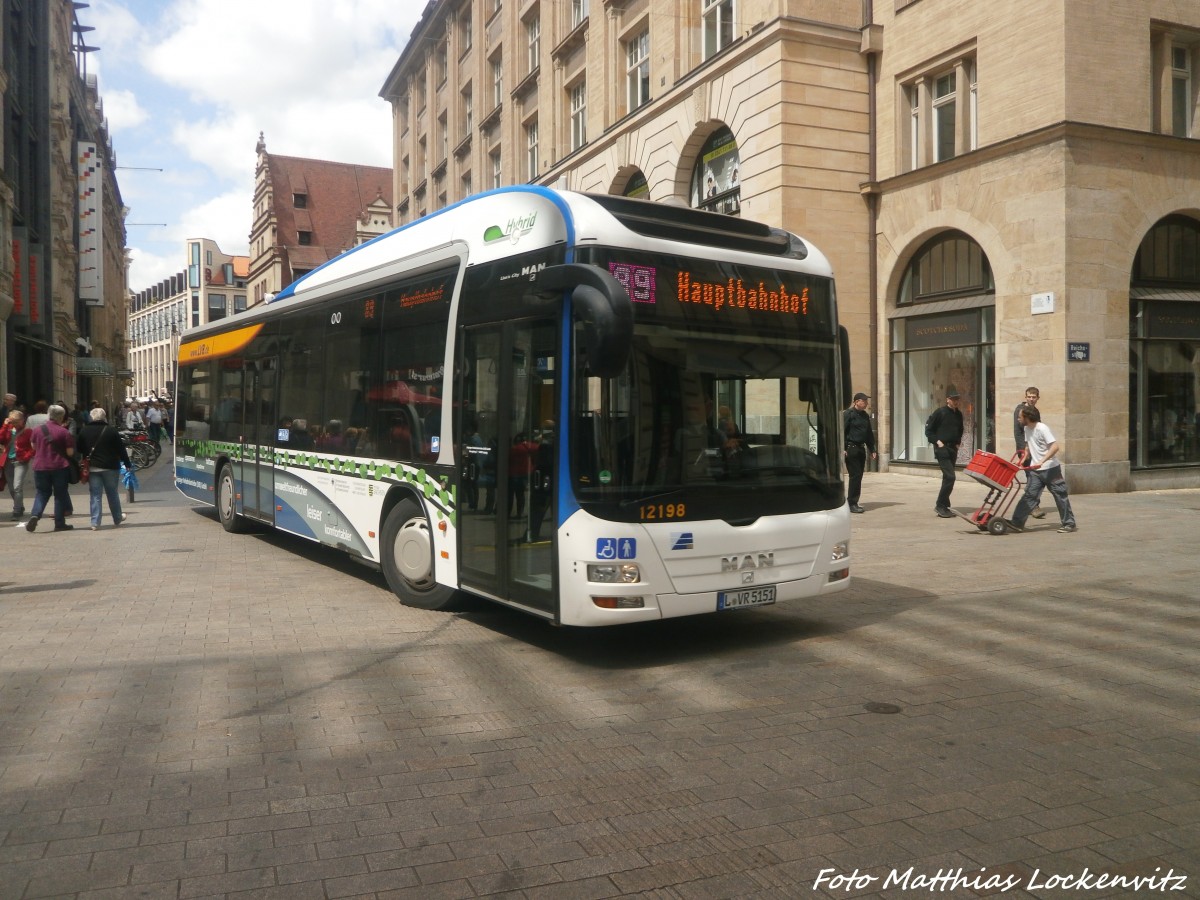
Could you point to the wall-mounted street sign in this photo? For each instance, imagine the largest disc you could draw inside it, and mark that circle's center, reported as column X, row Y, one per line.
column 1041, row 303
column 1079, row 351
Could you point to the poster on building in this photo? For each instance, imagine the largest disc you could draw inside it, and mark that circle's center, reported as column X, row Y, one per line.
column 34, row 299
column 91, row 234
column 20, row 311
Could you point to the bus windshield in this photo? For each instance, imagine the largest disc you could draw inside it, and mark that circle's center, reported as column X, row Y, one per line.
column 728, row 406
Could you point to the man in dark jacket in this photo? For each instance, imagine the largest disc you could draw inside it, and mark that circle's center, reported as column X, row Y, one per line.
column 860, row 440
column 944, row 429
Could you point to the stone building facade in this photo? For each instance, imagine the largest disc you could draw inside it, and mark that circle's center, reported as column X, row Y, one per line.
column 64, row 334
column 1009, row 192
column 211, row 285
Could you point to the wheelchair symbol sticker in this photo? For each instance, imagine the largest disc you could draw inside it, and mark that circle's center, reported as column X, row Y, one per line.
column 616, row 548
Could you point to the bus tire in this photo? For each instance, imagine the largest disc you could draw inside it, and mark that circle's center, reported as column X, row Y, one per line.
column 407, row 551
column 227, row 501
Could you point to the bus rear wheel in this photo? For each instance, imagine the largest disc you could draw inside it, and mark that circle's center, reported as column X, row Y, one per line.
column 407, row 551
column 227, row 501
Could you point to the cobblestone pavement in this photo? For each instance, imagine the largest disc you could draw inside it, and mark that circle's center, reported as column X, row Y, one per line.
column 187, row 713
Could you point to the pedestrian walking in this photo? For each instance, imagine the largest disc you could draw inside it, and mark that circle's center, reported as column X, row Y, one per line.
column 944, row 429
column 52, row 448
column 860, row 441
column 18, row 451
column 101, row 445
column 1032, row 395
column 1045, row 471
column 154, row 421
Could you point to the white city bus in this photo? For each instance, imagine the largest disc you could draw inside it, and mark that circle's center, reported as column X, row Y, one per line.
column 594, row 409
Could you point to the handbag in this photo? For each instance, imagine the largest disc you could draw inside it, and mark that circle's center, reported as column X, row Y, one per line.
column 85, row 467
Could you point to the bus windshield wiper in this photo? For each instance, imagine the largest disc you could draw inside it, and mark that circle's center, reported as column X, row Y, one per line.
column 625, row 504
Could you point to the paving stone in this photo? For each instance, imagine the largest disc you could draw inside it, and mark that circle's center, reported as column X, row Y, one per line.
column 226, row 734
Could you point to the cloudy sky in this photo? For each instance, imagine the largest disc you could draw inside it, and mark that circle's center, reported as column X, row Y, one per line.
column 187, row 85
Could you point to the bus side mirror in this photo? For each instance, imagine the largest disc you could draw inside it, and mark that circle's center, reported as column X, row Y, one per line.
column 844, row 344
column 602, row 306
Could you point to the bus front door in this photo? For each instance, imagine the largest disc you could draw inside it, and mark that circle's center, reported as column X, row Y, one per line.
column 507, row 517
column 258, row 439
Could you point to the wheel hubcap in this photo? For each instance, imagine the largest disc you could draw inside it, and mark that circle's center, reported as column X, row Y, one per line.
column 414, row 553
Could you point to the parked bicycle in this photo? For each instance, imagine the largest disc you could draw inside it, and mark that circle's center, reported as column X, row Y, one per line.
column 143, row 452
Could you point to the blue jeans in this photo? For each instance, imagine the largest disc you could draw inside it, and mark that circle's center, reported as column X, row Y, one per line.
column 15, row 472
column 1039, row 480
column 105, row 482
column 47, row 482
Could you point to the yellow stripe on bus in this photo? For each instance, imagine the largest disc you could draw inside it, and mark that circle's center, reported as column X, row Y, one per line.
column 217, row 345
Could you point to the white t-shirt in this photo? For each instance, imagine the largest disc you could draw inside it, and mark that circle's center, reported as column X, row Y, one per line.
column 1038, row 439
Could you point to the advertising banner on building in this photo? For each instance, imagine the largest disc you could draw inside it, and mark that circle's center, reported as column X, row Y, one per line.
column 34, row 297
column 91, row 224
column 20, row 311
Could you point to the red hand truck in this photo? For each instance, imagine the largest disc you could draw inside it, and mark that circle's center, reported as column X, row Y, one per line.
column 999, row 475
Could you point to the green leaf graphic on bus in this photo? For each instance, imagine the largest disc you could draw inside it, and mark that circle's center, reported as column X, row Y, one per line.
column 517, row 227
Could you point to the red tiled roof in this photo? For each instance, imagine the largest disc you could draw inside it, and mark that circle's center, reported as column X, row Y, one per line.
column 336, row 194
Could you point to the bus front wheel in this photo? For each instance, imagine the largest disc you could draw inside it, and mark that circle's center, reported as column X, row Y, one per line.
column 227, row 501
column 407, row 550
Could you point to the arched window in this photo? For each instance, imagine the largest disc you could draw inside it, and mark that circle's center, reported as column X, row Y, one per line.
column 1170, row 253
column 949, row 265
column 1164, row 346
column 636, row 186
column 716, row 184
column 943, row 337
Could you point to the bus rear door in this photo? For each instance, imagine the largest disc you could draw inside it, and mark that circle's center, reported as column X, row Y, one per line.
column 508, row 526
column 259, row 384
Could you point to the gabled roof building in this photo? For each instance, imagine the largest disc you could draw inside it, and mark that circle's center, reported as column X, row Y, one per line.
column 307, row 211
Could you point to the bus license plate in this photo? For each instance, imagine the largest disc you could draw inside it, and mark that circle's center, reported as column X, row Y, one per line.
column 760, row 596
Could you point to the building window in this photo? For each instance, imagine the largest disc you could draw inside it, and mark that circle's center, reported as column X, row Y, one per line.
column 718, row 25
column 637, row 73
column 579, row 12
column 497, row 81
column 443, row 63
column 468, row 111
column 497, row 173
column 943, row 337
column 579, row 115
column 944, row 105
column 531, row 150
column 1181, row 91
column 533, row 40
column 300, row 201
column 304, row 238
column 942, row 115
column 444, row 137
column 1164, row 353
column 716, row 185
column 464, row 28
column 467, row 187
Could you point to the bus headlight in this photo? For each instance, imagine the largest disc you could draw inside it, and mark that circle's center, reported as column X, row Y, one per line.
column 614, row 573
column 841, row 550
